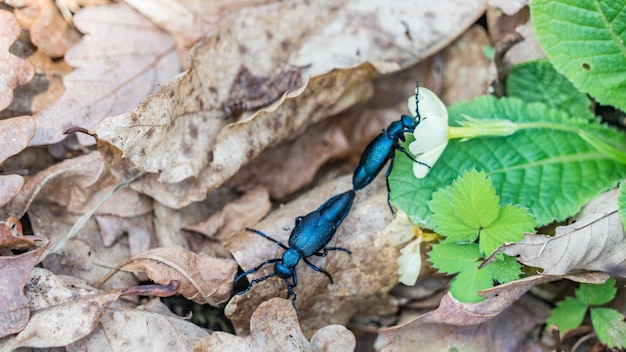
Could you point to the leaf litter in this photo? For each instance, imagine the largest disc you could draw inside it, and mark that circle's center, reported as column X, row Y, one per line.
column 273, row 94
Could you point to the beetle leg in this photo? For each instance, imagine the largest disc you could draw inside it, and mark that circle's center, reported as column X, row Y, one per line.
column 319, row 270
column 267, row 237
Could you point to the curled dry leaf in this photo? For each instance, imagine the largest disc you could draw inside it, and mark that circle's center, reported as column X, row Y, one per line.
column 118, row 63
column 13, row 70
column 203, row 279
column 454, row 321
column 90, row 181
column 176, row 142
column 595, row 241
column 12, row 237
column 61, row 314
column 49, row 31
column 15, row 133
column 360, row 283
column 274, row 327
column 14, row 271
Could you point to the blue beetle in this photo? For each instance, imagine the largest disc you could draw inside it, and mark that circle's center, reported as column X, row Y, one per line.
column 309, row 237
column 382, row 148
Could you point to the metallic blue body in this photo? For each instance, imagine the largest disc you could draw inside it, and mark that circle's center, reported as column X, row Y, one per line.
column 382, row 149
column 309, row 237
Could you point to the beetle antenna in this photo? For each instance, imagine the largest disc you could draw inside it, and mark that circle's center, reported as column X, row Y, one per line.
column 417, row 108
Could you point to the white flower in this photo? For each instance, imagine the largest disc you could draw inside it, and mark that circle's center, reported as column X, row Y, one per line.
column 410, row 262
column 431, row 135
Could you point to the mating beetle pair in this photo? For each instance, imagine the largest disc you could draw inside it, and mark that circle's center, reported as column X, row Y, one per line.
column 313, row 231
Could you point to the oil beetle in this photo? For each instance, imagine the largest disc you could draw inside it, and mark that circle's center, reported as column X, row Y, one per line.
column 309, row 237
column 382, row 148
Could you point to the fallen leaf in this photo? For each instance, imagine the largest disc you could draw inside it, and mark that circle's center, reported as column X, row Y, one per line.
column 360, row 283
column 12, row 237
column 594, row 242
column 14, row 271
column 15, row 134
column 103, row 84
column 49, row 32
column 140, row 330
column 203, row 279
column 454, row 322
column 274, row 327
column 14, row 71
column 138, row 228
column 236, row 215
column 61, row 316
column 11, row 186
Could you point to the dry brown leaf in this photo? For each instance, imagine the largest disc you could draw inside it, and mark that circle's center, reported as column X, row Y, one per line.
column 15, row 134
column 509, row 7
column 594, row 242
column 60, row 315
column 235, row 216
column 454, row 321
column 177, row 144
column 84, row 256
column 203, row 279
column 14, row 271
column 13, row 70
column 360, row 283
column 48, row 30
column 118, row 63
column 390, row 34
column 465, row 60
column 274, row 327
column 12, row 237
column 138, row 228
column 140, row 330
column 79, row 184
column 11, row 186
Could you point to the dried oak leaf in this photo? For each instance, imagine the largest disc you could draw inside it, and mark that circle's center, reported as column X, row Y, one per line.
column 12, row 237
column 49, row 32
column 138, row 228
column 203, row 279
column 121, row 59
column 475, row 325
column 60, row 315
column 14, row 271
column 140, row 330
column 11, row 186
column 173, row 131
column 596, row 241
column 360, row 283
column 15, row 132
column 14, row 71
column 274, row 327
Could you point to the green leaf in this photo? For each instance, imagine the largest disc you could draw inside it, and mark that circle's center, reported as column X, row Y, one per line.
column 445, row 220
column 536, row 168
column 568, row 314
column 505, row 270
column 584, row 40
column 466, row 284
column 621, row 203
column 538, row 81
column 597, row 294
column 610, row 326
column 474, row 199
column 510, row 226
column 452, row 258
column 614, row 149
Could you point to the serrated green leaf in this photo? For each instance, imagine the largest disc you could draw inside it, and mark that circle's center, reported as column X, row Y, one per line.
column 609, row 326
column 445, row 221
column 596, row 294
column 510, row 226
column 584, row 40
column 538, row 81
column 505, row 270
column 568, row 314
column 466, row 284
column 452, row 258
column 621, row 203
column 536, row 169
column 474, row 199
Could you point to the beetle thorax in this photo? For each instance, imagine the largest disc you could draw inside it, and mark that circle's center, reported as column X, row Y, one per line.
column 291, row 257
